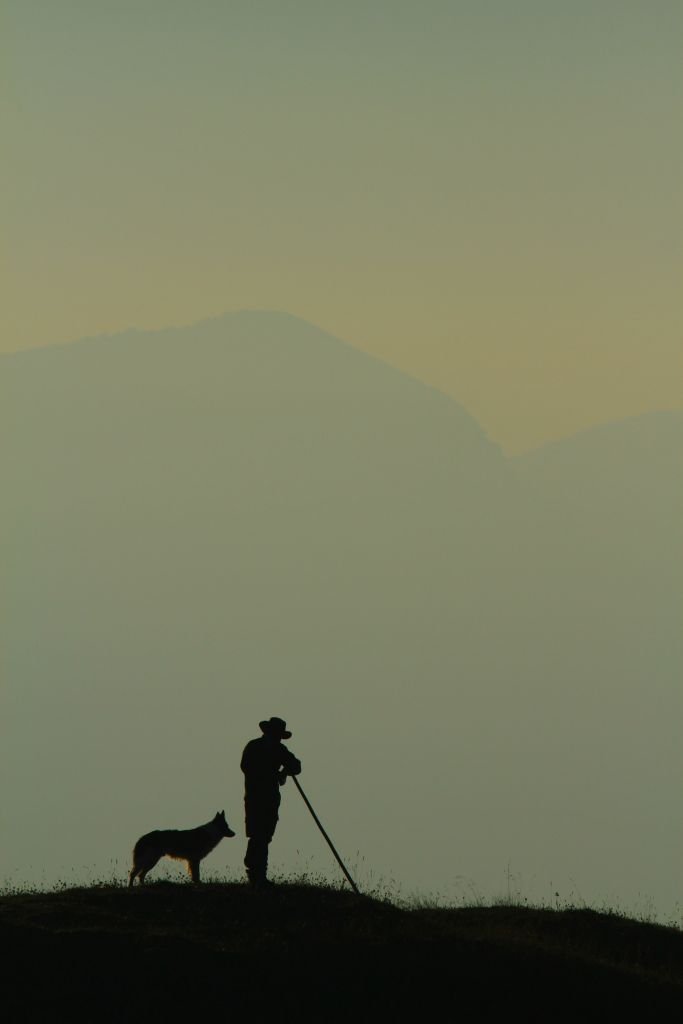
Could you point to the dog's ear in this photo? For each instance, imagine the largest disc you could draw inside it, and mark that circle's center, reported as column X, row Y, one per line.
column 222, row 814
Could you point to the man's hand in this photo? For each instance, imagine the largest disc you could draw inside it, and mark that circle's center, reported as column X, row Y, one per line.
column 282, row 777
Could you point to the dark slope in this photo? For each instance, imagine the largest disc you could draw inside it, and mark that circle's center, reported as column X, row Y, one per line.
column 302, row 953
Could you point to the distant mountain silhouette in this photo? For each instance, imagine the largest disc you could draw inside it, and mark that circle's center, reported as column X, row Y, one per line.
column 633, row 466
column 208, row 525
column 620, row 489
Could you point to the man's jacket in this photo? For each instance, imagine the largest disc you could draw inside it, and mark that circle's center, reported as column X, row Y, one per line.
column 262, row 762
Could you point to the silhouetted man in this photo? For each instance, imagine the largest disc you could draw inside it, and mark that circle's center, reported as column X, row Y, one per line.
column 266, row 763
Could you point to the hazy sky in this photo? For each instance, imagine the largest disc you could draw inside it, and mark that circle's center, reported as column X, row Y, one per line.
column 486, row 193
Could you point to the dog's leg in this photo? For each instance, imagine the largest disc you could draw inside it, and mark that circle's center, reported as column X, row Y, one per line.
column 132, row 876
column 193, row 868
column 146, row 866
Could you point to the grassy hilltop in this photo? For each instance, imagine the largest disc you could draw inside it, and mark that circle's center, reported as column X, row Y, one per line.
column 303, row 952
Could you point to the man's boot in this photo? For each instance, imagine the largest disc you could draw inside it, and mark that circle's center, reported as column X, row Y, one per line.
column 258, row 880
column 256, row 862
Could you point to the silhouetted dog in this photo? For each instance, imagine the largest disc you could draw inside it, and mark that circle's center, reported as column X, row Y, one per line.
column 191, row 845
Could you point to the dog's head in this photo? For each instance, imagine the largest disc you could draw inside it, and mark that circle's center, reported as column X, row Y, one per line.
column 223, row 826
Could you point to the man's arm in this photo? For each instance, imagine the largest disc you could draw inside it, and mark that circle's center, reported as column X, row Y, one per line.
column 291, row 765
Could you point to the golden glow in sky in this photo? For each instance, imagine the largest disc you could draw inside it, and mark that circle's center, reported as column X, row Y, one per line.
column 485, row 195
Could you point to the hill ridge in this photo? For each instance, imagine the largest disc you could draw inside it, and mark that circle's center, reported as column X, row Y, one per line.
column 169, row 945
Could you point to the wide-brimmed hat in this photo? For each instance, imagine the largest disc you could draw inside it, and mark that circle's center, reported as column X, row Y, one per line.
column 275, row 726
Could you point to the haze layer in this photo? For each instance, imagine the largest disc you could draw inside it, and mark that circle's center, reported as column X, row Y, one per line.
column 479, row 657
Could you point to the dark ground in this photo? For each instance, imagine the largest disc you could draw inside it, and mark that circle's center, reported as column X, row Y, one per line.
column 304, row 953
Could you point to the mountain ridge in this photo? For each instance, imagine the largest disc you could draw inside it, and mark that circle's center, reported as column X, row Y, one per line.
column 279, row 318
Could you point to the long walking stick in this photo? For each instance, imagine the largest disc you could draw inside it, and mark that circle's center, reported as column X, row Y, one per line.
column 316, row 819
